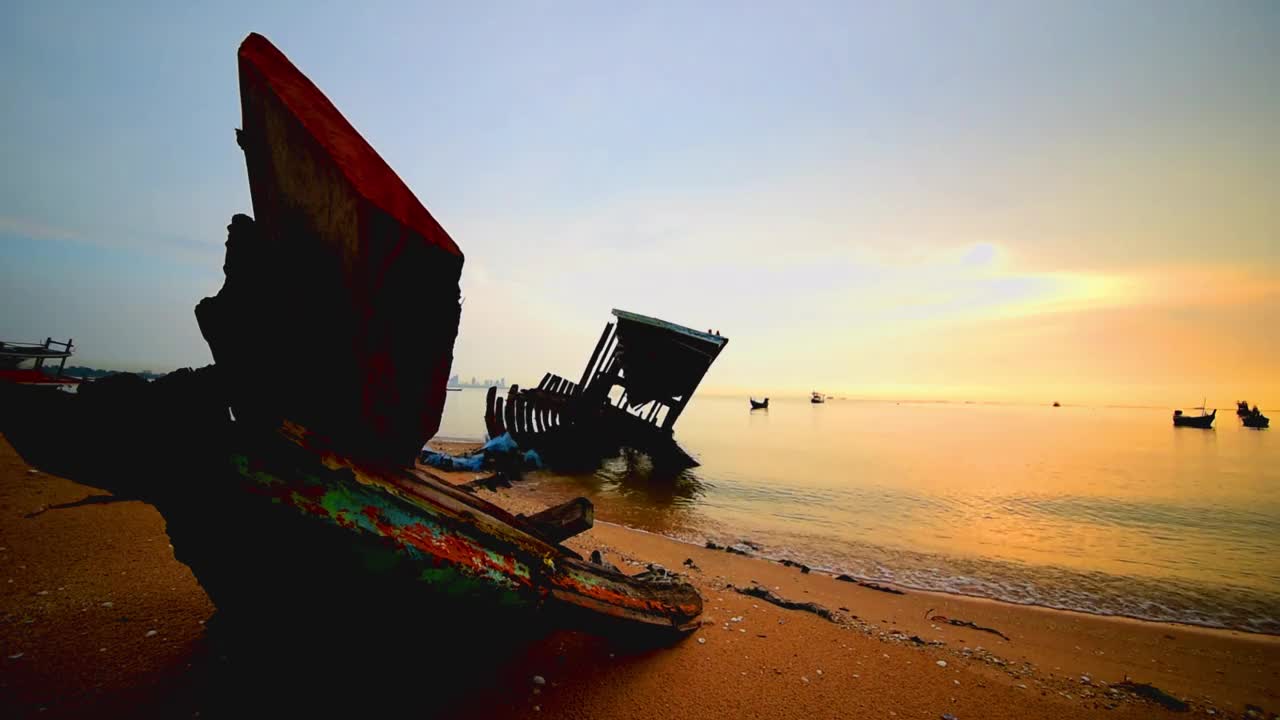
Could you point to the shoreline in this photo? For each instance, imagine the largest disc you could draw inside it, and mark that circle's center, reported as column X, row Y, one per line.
column 533, row 490
column 86, row 582
column 829, row 572
column 1053, row 649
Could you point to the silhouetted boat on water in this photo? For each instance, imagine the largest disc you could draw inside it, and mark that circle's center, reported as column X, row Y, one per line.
column 1203, row 420
column 1242, row 408
column 817, row 398
column 635, row 386
column 759, row 404
column 1254, row 418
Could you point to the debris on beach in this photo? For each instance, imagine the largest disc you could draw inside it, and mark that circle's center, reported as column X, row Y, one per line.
column 963, row 623
column 870, row 585
column 500, row 453
column 563, row 521
column 771, row 597
column 1153, row 693
column 636, row 384
column 792, row 563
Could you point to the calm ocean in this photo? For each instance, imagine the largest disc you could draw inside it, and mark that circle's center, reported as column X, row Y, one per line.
column 1104, row 510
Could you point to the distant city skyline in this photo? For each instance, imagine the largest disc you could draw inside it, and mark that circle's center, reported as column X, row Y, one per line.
column 987, row 200
column 456, row 381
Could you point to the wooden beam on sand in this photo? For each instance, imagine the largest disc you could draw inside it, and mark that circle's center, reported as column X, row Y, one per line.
column 561, row 522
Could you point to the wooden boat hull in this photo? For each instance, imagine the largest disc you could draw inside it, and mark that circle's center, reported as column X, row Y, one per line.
column 281, row 527
column 1256, row 421
column 340, row 264
column 416, row 530
column 553, row 419
column 759, row 405
column 1204, row 422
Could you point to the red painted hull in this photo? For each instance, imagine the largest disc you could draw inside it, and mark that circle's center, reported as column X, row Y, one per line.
column 35, row 377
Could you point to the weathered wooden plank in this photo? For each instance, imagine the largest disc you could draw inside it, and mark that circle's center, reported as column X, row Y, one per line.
column 499, row 419
column 540, row 418
column 589, row 372
column 491, row 414
column 527, row 407
column 340, row 260
column 561, row 522
column 510, row 411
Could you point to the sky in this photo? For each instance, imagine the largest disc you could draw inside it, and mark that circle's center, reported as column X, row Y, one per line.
column 1002, row 201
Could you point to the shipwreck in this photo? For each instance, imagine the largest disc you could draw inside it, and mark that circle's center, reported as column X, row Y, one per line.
column 304, row 504
column 636, row 384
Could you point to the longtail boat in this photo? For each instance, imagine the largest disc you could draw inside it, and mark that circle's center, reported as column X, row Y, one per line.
column 1204, row 420
column 304, row 501
column 636, row 384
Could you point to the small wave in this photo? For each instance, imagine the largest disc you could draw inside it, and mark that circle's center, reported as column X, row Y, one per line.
column 1095, row 593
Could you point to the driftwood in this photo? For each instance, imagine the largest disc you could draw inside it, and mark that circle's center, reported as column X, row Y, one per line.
column 964, row 623
column 870, row 585
column 770, row 596
column 492, row 482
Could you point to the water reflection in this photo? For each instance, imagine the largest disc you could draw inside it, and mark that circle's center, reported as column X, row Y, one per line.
column 633, row 477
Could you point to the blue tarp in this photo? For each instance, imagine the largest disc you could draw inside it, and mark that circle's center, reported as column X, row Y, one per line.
column 499, row 446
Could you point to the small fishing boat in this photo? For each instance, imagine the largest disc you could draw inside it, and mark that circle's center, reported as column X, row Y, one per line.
column 759, row 404
column 817, row 398
column 1242, row 408
column 1203, row 420
column 1057, row 404
column 1255, row 419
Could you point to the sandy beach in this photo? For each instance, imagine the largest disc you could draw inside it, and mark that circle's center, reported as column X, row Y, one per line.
column 99, row 618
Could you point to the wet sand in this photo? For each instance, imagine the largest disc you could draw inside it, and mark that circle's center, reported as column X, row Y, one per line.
column 84, row 586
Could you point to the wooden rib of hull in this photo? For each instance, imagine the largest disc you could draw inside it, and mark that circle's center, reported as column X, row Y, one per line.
column 555, row 418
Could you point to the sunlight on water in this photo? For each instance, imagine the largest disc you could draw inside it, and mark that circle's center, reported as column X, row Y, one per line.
column 1101, row 509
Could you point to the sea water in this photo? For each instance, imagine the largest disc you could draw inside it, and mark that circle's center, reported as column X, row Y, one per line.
column 1099, row 509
